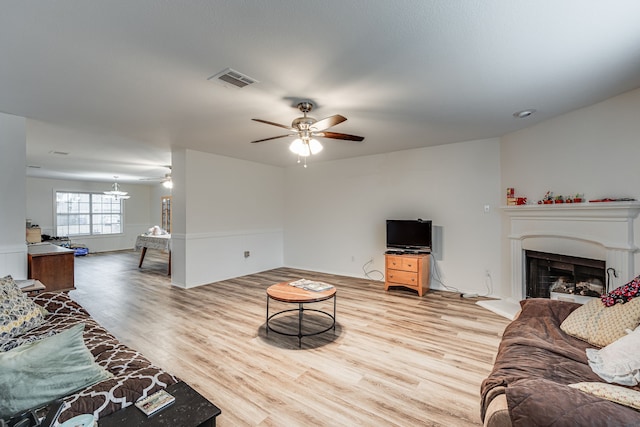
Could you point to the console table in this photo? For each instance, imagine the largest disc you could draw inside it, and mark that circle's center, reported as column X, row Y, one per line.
column 51, row 264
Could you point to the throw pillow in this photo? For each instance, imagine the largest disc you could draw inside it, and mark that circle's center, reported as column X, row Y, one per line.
column 18, row 313
column 619, row 362
column 623, row 293
column 37, row 373
column 600, row 325
column 9, row 288
column 614, row 393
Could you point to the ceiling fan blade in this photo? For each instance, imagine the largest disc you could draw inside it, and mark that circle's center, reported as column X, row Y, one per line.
column 273, row 124
column 335, row 135
column 273, row 137
column 326, row 123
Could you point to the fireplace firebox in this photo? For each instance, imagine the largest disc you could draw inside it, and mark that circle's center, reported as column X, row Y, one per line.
column 547, row 273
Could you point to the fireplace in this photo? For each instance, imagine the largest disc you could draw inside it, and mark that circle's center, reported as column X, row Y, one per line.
column 600, row 231
column 563, row 276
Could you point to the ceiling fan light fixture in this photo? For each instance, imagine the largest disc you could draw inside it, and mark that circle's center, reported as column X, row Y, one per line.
column 167, row 184
column 306, row 128
column 305, row 147
column 315, row 146
column 300, row 148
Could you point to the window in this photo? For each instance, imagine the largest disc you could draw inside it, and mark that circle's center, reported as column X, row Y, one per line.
column 87, row 214
column 166, row 213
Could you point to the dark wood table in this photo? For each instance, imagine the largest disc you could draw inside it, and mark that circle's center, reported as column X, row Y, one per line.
column 190, row 409
column 51, row 264
column 285, row 292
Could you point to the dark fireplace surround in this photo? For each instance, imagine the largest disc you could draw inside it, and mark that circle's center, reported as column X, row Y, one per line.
column 563, row 274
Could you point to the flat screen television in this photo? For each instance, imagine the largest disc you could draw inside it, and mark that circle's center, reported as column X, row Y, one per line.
column 409, row 234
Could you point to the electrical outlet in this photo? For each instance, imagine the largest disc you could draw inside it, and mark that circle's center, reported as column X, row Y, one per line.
column 247, row 254
column 487, row 208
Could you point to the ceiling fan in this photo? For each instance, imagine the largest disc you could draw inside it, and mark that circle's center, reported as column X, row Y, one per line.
column 307, row 129
column 166, row 182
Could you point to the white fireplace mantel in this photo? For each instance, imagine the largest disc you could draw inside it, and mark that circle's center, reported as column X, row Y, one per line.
column 606, row 227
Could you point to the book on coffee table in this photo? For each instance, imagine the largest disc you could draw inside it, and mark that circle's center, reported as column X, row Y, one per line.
column 153, row 403
column 310, row 285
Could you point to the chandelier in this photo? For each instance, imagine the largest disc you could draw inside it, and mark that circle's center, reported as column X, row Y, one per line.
column 115, row 191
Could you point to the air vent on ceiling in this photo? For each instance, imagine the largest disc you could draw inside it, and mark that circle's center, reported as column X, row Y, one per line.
column 233, row 77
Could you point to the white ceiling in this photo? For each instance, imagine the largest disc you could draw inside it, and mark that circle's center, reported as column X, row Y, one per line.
column 117, row 83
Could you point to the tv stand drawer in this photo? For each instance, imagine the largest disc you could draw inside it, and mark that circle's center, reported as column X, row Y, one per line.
column 403, row 277
column 404, row 263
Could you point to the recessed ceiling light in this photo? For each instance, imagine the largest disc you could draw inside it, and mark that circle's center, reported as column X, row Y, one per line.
column 59, row 153
column 524, row 113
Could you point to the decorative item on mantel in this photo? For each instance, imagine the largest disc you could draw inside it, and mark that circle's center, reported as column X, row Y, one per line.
column 549, row 199
column 512, row 200
column 610, row 199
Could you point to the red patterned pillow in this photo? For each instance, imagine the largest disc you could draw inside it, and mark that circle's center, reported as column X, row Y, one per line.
column 622, row 294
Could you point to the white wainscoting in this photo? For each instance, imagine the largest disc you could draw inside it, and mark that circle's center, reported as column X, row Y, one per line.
column 13, row 261
column 202, row 258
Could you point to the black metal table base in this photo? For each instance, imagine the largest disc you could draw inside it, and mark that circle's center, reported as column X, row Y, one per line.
column 300, row 311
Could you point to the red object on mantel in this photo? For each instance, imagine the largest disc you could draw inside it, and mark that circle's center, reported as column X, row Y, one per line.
column 607, row 199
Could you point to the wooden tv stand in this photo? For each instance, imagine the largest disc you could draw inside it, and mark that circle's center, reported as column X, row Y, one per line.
column 408, row 270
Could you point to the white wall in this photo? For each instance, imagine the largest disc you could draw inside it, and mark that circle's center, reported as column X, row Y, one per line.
column 221, row 208
column 335, row 211
column 594, row 150
column 41, row 210
column 13, row 160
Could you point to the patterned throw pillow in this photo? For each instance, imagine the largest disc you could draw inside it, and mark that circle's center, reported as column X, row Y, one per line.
column 600, row 325
column 614, row 393
column 622, row 294
column 18, row 314
column 9, row 288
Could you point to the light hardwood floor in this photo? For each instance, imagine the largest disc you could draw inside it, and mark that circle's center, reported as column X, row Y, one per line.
column 395, row 359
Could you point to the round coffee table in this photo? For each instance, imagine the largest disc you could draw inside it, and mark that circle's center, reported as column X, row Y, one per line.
column 284, row 292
